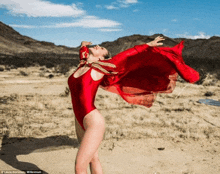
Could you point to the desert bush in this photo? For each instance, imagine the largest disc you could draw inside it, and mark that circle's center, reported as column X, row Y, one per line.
column 217, row 75
column 62, row 68
column 41, row 74
column 180, row 79
column 209, row 93
column 35, row 64
column 50, row 76
column 5, row 99
column 13, row 67
column 209, row 80
column 8, row 68
column 65, row 93
column 23, row 73
column 49, row 64
column 2, row 68
column 42, row 69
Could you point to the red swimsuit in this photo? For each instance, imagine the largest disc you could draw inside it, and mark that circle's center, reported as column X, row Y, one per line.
column 83, row 91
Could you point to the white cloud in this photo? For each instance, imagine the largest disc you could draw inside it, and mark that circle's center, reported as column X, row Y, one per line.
column 111, row 7
column 109, row 29
column 165, row 30
column 161, row 31
column 85, row 22
column 129, row 1
column 174, row 20
column 98, row 6
column 200, row 35
column 120, row 4
column 90, row 22
column 23, row 26
column 196, row 19
column 40, row 8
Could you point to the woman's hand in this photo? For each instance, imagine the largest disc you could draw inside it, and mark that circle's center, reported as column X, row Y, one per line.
column 85, row 43
column 155, row 43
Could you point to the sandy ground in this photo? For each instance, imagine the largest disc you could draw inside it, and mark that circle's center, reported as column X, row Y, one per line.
column 130, row 156
column 177, row 135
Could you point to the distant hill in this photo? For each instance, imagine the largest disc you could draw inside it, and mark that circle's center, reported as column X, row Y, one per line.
column 19, row 50
column 199, row 48
column 12, row 43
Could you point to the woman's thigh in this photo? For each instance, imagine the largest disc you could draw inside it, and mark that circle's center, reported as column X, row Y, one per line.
column 94, row 131
column 79, row 131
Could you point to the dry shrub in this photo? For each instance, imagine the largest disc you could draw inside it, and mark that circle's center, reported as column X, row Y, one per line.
column 2, row 67
column 65, row 93
column 62, row 68
column 23, row 73
column 209, row 80
column 6, row 99
column 8, row 68
column 42, row 74
column 50, row 76
column 180, row 79
column 43, row 68
column 49, row 64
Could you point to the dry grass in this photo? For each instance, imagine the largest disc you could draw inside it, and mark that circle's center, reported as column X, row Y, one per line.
column 38, row 116
column 175, row 116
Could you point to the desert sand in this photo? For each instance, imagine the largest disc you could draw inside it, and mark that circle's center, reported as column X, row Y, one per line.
column 177, row 135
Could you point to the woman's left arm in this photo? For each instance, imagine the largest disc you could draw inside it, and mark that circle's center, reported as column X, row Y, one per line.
column 156, row 41
column 129, row 58
column 133, row 52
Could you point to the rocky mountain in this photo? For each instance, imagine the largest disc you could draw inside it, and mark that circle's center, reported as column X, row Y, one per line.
column 13, row 43
column 201, row 54
column 199, row 48
column 19, row 50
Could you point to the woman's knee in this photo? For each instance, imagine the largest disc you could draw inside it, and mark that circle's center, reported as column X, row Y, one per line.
column 95, row 158
column 80, row 167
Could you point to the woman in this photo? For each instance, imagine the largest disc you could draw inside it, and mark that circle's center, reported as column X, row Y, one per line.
column 136, row 74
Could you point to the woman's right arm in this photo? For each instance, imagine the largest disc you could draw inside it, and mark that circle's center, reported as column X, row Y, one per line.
column 85, row 43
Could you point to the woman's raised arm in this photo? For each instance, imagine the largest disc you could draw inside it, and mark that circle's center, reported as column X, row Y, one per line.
column 155, row 43
column 85, row 43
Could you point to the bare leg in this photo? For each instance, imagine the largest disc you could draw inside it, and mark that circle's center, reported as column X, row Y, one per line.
column 95, row 165
column 90, row 140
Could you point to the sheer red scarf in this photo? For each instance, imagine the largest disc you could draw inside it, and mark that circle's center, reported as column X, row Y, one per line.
column 141, row 72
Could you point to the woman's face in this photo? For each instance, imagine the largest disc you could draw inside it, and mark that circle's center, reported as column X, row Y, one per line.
column 98, row 51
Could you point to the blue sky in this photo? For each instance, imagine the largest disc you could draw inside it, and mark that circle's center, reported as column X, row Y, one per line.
column 68, row 22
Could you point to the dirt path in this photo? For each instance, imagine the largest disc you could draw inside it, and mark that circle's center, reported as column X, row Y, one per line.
column 149, row 156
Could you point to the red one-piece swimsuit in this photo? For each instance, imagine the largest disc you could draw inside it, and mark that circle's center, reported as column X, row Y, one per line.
column 83, row 91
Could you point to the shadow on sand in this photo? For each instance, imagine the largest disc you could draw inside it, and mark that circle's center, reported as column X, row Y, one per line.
column 12, row 147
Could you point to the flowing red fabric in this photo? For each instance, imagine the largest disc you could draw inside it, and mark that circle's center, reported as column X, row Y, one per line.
column 144, row 71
